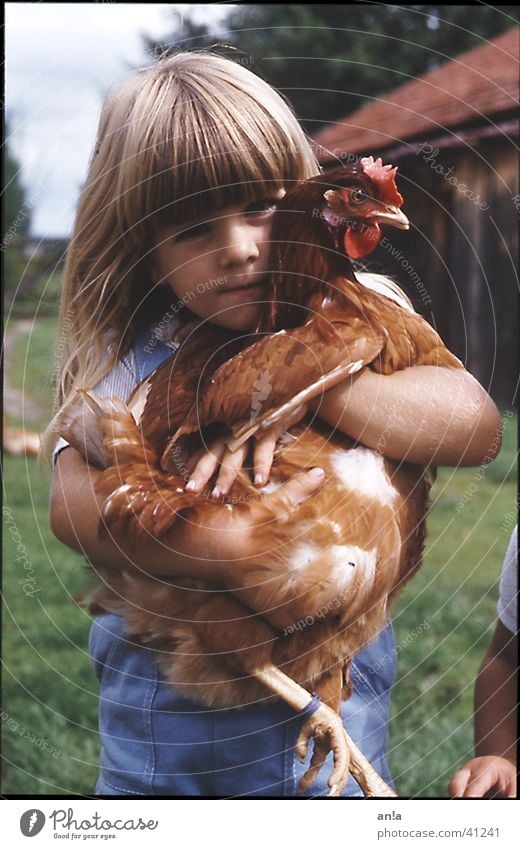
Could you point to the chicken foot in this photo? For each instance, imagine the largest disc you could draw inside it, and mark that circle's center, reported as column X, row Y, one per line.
column 326, row 727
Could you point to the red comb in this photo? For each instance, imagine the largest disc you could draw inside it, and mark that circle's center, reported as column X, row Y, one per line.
column 384, row 176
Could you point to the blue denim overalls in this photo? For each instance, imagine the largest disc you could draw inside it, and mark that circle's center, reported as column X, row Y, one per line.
column 157, row 743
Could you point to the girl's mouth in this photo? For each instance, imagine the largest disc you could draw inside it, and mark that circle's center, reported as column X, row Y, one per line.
column 251, row 289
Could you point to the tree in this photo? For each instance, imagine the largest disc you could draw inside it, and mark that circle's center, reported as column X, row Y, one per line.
column 330, row 59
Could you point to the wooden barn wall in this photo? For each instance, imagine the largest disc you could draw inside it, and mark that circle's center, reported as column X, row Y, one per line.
column 458, row 261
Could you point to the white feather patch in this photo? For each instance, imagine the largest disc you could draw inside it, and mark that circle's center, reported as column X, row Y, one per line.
column 362, row 470
column 348, row 561
column 303, row 556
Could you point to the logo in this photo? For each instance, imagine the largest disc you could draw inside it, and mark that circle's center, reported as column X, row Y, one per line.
column 32, row 822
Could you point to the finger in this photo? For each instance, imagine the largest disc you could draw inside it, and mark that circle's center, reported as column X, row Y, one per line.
column 194, row 458
column 458, row 783
column 479, row 784
column 205, row 467
column 263, row 457
column 510, row 786
column 483, row 777
column 266, row 442
column 230, row 465
column 297, row 490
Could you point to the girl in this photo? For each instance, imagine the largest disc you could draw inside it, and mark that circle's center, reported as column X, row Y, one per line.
column 173, row 224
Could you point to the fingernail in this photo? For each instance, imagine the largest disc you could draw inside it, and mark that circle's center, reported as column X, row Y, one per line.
column 317, row 473
column 217, row 492
column 258, row 478
column 190, row 486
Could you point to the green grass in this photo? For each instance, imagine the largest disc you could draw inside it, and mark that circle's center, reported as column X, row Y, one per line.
column 31, row 369
column 50, row 690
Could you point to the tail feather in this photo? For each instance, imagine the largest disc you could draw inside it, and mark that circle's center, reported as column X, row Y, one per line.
column 104, row 432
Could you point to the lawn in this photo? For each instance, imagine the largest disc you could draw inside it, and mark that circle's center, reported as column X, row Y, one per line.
column 443, row 622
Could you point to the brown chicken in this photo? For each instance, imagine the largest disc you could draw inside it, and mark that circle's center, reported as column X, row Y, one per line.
column 337, row 560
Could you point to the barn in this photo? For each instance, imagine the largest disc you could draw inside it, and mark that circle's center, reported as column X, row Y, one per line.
column 453, row 133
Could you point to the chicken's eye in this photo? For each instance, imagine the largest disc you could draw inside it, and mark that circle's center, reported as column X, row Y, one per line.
column 357, row 196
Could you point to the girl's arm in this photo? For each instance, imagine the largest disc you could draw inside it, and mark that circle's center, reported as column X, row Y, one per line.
column 211, row 553
column 423, row 414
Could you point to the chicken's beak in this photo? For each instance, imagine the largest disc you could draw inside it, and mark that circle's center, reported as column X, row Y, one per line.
column 391, row 215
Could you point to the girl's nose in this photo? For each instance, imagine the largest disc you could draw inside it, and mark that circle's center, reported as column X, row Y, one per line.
column 238, row 246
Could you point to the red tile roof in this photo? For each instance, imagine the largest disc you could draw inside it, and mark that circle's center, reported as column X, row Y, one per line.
column 476, row 84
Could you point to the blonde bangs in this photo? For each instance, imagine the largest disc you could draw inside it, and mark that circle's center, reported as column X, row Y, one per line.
column 205, row 141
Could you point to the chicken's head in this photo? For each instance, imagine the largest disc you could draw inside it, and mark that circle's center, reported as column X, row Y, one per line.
column 365, row 198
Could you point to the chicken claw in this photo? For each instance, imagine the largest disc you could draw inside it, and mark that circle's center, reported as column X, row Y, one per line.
column 326, row 727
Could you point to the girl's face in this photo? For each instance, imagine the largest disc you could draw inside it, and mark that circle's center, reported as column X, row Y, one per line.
column 219, row 267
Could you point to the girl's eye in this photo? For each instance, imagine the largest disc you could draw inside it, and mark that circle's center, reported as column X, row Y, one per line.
column 263, row 205
column 357, row 196
column 191, row 232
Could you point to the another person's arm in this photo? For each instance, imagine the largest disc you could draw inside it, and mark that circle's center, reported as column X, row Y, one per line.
column 493, row 769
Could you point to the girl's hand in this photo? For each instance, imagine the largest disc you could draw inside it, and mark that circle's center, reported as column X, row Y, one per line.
column 204, row 463
column 212, row 553
column 487, row 775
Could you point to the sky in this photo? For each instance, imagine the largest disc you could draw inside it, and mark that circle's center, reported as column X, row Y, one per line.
column 60, row 59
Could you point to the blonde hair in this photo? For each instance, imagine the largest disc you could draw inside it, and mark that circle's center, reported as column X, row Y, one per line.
column 177, row 140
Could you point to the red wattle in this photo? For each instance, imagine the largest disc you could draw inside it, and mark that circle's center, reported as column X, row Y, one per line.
column 361, row 239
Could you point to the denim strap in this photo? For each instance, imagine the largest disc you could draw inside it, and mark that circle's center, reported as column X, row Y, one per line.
column 149, row 353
